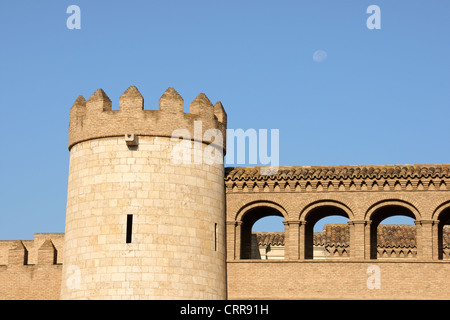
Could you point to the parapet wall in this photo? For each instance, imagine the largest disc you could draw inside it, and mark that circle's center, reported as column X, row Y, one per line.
column 94, row 118
column 31, row 269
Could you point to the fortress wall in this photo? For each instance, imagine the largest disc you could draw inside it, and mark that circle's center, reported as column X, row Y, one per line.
column 275, row 279
column 30, row 282
column 364, row 195
column 30, row 269
column 121, row 166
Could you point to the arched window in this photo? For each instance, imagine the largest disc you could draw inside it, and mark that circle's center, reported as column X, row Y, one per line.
column 392, row 232
column 444, row 234
column 328, row 244
column 268, row 238
column 331, row 238
column 261, row 230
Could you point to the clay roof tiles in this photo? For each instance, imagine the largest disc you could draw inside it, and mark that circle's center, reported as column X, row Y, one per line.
column 396, row 236
column 270, row 238
column 340, row 172
column 337, row 235
column 388, row 236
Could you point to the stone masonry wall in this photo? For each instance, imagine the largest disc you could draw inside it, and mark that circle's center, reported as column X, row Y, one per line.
column 177, row 248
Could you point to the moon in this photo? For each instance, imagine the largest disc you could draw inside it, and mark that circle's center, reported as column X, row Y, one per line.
column 319, row 56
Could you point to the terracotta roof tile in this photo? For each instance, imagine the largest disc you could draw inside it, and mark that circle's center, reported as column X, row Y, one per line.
column 337, row 235
column 340, row 172
column 270, row 238
column 396, row 236
column 388, row 236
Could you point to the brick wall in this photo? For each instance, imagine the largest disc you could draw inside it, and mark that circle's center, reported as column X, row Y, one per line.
column 31, row 270
column 30, row 282
column 365, row 195
column 269, row 279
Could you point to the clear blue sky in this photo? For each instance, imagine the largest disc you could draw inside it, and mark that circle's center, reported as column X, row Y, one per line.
column 379, row 97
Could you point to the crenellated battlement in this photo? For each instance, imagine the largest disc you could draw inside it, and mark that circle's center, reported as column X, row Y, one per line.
column 94, row 118
column 43, row 250
column 46, row 254
column 31, row 269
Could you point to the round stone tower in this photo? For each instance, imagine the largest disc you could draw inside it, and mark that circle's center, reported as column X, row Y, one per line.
column 146, row 201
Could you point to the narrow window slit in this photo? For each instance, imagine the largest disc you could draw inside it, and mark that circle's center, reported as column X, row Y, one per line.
column 215, row 236
column 129, row 227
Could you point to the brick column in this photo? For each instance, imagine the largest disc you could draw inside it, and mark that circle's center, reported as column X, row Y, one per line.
column 231, row 240
column 368, row 239
column 358, row 239
column 435, row 241
column 301, row 239
column 424, row 235
column 237, row 240
column 291, row 246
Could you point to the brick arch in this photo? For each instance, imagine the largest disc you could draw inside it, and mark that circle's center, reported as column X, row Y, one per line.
column 259, row 203
column 439, row 209
column 388, row 201
column 321, row 202
column 441, row 214
column 236, row 207
column 380, row 204
column 318, row 206
column 247, row 216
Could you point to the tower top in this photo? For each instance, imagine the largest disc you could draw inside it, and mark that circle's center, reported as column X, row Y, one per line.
column 94, row 118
